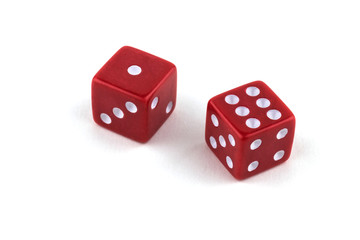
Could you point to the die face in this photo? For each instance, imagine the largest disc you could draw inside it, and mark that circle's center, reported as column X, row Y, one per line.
column 117, row 111
column 267, row 149
column 252, row 108
column 135, row 71
column 161, row 103
column 133, row 107
column 263, row 137
column 223, row 140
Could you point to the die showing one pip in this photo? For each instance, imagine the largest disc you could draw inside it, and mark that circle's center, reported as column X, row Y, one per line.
column 249, row 129
column 134, row 93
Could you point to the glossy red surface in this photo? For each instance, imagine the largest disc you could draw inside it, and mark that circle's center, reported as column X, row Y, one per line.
column 229, row 122
column 114, row 87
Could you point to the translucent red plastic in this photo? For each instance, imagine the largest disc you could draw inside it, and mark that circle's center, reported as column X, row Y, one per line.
column 134, row 93
column 239, row 119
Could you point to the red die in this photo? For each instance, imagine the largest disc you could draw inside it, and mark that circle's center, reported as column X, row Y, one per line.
column 249, row 129
column 134, row 93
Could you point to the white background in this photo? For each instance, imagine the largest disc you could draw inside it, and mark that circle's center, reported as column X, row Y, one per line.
column 64, row 177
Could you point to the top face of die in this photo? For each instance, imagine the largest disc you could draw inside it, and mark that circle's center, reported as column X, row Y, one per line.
column 251, row 108
column 135, row 71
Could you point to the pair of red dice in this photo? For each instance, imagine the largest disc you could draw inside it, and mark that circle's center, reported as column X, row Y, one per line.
column 248, row 128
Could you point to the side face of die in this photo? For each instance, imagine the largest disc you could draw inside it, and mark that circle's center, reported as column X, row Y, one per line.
column 134, row 93
column 223, row 139
column 263, row 125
